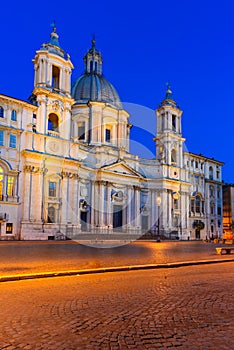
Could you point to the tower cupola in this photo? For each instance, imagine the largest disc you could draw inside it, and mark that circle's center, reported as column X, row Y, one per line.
column 53, row 67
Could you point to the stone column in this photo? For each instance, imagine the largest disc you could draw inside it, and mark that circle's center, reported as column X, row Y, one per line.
column 26, row 205
column 101, row 204
column 137, row 206
column 37, row 195
column 75, row 216
column 64, row 197
column 129, row 205
column 108, row 206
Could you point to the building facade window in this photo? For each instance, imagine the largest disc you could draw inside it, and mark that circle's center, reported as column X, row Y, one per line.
column 198, row 204
column 211, row 191
column 1, row 112
column 173, row 157
column 53, row 122
column 1, row 183
column 10, row 186
column 51, row 214
column 55, row 77
column 9, row 228
column 193, row 205
column 108, row 135
column 173, row 119
column 81, row 131
column 1, row 138
column 176, row 203
column 211, row 174
column 14, row 115
column 52, row 189
column 212, row 208
column 12, row 142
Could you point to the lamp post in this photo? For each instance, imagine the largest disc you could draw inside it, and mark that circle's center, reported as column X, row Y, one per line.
column 158, row 204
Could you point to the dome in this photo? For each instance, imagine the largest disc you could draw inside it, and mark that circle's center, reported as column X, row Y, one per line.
column 92, row 86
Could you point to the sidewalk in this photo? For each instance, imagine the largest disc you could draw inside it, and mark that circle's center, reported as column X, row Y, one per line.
column 19, row 277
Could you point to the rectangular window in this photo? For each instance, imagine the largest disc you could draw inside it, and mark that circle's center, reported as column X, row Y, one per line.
column 9, row 228
column 81, row 131
column 1, row 138
column 192, row 205
column 176, row 204
column 108, row 135
column 12, row 141
column 219, row 211
column 34, row 116
column 10, row 186
column 173, row 121
column 1, row 112
column 52, row 189
column 14, row 116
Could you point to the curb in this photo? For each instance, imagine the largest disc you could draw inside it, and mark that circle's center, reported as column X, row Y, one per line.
column 109, row 269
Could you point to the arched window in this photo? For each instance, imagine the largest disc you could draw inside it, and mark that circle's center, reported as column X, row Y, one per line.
column 51, row 215
column 211, row 175
column 173, row 119
column 14, row 115
column 91, row 66
column 173, row 156
column 53, row 122
column 55, row 77
column 1, row 112
column 7, row 184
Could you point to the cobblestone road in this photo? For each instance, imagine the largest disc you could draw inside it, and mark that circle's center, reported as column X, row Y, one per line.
column 181, row 308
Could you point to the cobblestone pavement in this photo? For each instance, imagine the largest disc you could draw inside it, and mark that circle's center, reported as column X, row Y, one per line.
column 186, row 308
column 31, row 257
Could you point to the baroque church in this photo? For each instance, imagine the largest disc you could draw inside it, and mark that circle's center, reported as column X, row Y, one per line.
column 66, row 167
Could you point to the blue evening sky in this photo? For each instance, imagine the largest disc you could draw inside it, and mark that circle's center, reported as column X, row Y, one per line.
column 144, row 44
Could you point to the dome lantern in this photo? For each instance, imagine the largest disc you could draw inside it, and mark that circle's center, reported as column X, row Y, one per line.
column 92, row 86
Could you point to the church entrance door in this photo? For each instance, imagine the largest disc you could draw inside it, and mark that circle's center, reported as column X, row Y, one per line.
column 117, row 217
column 83, row 220
column 197, row 233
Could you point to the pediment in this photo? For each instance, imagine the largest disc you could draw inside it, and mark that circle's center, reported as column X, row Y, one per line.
column 121, row 168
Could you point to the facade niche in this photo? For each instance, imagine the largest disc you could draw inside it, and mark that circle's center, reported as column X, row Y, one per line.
column 53, row 122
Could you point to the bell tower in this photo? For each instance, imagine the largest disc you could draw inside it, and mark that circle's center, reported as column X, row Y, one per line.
column 169, row 140
column 52, row 88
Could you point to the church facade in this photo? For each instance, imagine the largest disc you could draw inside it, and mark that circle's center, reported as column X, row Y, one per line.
column 66, row 168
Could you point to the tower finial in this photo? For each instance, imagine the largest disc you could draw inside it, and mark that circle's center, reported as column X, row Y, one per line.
column 168, row 92
column 53, row 25
column 54, row 36
column 93, row 41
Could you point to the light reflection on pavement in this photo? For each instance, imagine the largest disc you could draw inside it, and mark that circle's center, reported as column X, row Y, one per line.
column 31, row 257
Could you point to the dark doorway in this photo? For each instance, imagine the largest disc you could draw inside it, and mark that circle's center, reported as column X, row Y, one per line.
column 117, row 217
column 83, row 219
column 145, row 222
column 197, row 233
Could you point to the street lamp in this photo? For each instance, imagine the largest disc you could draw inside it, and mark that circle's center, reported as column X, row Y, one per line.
column 158, row 204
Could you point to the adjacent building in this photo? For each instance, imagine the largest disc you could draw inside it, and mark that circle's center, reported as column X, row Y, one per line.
column 228, row 211
column 66, row 167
